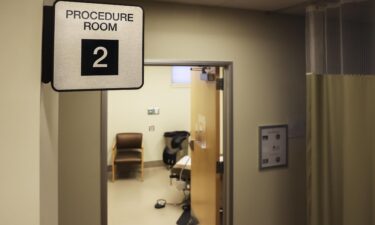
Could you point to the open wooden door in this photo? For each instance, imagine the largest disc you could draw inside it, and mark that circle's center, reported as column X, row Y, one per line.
column 205, row 126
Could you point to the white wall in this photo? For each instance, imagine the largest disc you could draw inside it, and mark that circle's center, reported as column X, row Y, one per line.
column 20, row 44
column 127, row 111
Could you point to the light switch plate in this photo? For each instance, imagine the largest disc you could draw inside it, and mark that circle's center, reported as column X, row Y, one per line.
column 156, row 110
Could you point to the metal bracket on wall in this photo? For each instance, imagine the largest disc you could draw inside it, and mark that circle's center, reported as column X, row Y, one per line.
column 207, row 77
column 208, row 73
column 47, row 44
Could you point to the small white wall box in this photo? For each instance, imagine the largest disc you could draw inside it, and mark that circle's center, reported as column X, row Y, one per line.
column 273, row 146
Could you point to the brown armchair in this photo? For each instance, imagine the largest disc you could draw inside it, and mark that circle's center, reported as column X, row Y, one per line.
column 127, row 150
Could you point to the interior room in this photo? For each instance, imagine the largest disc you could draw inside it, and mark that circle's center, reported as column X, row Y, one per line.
column 297, row 116
column 161, row 106
column 158, row 182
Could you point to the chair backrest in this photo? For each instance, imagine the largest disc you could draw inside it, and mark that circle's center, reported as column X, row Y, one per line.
column 128, row 140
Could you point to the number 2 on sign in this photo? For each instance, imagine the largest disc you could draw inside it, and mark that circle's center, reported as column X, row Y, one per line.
column 97, row 63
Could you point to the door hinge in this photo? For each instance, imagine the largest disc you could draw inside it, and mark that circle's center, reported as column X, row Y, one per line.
column 220, row 84
column 220, row 167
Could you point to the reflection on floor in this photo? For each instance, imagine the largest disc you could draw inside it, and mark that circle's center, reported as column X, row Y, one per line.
column 131, row 202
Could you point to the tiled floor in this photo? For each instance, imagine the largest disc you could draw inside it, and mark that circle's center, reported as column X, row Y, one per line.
column 131, row 201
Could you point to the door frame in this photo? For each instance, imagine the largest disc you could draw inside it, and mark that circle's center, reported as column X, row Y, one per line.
column 227, row 136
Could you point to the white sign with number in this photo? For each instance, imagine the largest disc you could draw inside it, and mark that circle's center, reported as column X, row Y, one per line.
column 97, row 46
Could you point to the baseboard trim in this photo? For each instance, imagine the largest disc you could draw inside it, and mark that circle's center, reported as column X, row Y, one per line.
column 148, row 164
column 156, row 163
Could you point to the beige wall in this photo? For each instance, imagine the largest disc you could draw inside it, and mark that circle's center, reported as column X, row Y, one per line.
column 20, row 44
column 49, row 114
column 269, row 88
column 49, row 102
column 79, row 158
column 127, row 111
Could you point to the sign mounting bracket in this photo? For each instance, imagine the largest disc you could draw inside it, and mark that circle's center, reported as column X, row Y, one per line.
column 47, row 45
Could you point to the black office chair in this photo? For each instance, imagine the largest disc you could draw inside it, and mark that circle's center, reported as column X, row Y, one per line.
column 176, row 145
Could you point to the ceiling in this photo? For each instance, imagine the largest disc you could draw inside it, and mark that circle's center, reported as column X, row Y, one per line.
column 283, row 6
column 262, row 5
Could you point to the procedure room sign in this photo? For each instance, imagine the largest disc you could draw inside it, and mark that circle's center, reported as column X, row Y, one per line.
column 97, row 46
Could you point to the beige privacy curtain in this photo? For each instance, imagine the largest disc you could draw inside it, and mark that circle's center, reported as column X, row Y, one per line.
column 341, row 150
column 340, row 41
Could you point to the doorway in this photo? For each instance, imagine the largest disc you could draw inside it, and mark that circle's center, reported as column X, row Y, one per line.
column 227, row 138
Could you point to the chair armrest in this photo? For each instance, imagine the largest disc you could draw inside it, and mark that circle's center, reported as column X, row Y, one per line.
column 114, row 152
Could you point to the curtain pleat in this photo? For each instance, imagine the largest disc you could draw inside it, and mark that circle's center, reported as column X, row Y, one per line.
column 340, row 150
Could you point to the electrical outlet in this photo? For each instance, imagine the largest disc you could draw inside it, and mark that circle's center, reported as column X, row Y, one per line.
column 153, row 111
column 151, row 128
